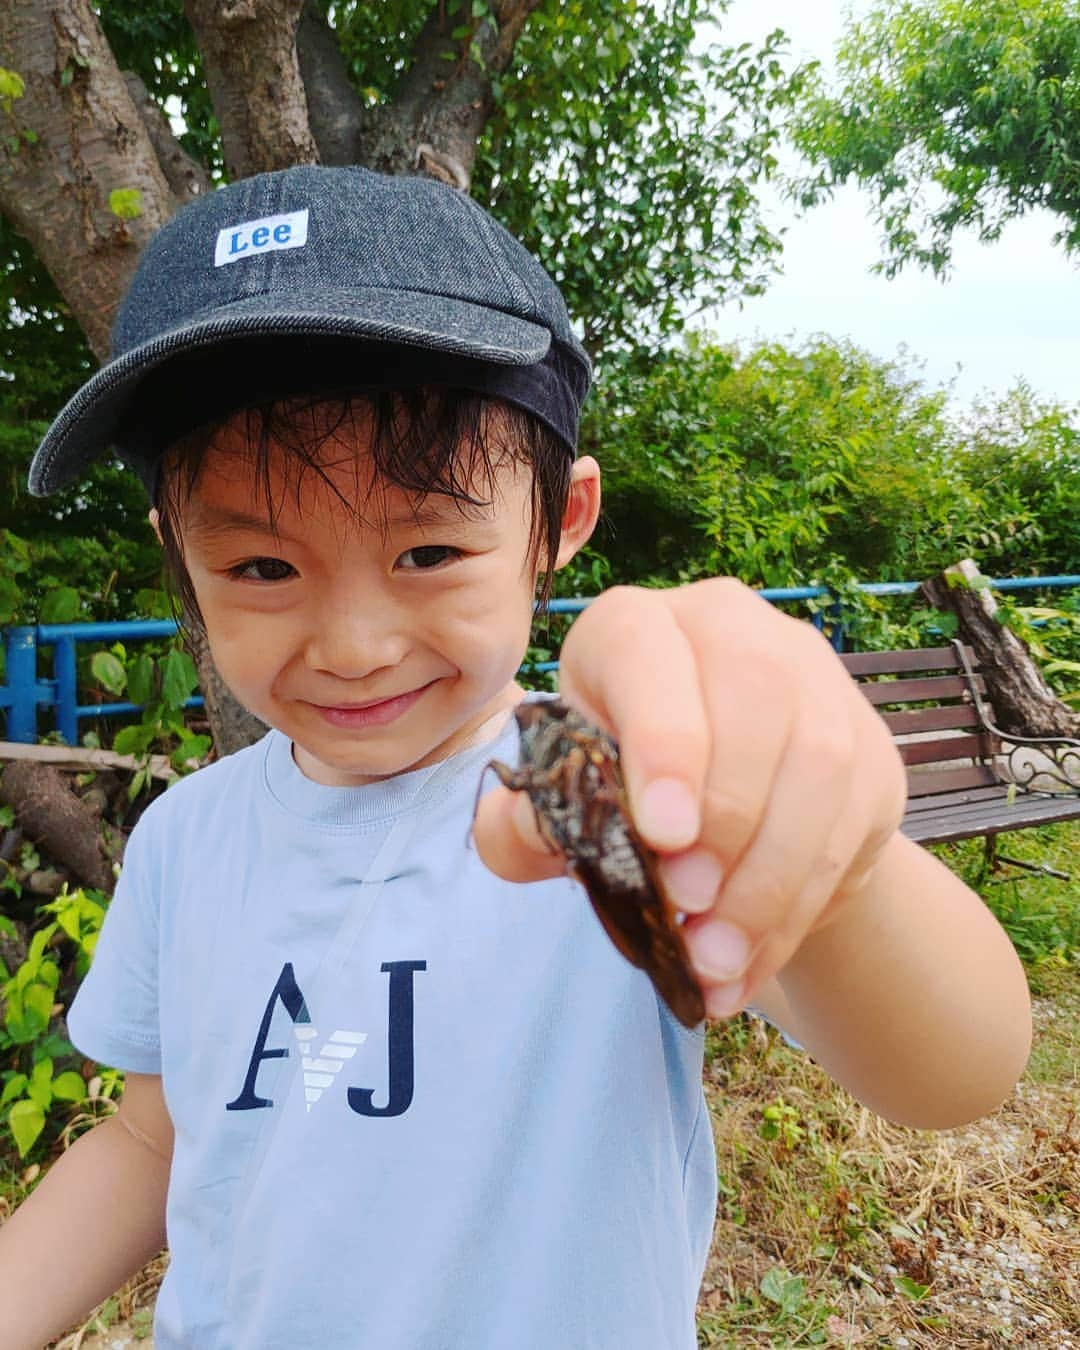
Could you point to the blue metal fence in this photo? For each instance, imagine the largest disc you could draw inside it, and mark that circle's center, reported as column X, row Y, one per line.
column 26, row 691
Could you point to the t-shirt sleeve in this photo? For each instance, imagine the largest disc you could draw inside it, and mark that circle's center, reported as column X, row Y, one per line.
column 113, row 1018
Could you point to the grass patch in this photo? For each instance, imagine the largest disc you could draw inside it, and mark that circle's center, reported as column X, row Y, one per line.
column 835, row 1227
column 1055, row 1052
column 1041, row 914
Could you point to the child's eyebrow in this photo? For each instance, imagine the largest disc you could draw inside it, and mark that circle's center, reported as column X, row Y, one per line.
column 212, row 520
column 216, row 520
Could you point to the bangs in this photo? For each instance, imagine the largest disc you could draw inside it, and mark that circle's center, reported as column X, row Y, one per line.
column 426, row 441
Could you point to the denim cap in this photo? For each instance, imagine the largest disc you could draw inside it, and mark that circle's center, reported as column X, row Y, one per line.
column 312, row 280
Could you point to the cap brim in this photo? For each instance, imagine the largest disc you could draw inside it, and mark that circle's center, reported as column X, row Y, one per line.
column 84, row 428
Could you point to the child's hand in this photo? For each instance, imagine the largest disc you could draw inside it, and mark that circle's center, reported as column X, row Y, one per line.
column 752, row 762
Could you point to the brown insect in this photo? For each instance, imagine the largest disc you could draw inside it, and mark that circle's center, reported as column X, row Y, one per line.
column 570, row 770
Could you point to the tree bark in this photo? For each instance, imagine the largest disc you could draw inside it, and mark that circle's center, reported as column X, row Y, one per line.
column 186, row 177
column 336, row 112
column 74, row 137
column 253, row 74
column 1024, row 704
column 440, row 106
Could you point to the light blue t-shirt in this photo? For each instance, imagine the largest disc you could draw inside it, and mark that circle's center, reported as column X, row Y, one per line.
column 472, row 1127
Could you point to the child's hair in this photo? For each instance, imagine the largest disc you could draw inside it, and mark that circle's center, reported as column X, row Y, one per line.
column 438, row 440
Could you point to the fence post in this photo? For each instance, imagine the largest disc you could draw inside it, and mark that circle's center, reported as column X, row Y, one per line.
column 67, row 721
column 20, row 650
column 836, row 625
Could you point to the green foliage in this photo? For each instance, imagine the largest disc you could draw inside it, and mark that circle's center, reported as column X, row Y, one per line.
column 11, row 88
column 161, row 683
column 627, row 161
column 94, row 536
column 780, row 1123
column 1041, row 914
column 126, row 203
column 956, row 114
column 820, row 463
column 38, row 1086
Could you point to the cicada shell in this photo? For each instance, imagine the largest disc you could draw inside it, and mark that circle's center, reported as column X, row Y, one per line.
column 570, row 771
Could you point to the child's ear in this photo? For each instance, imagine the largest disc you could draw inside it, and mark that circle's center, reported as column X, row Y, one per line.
column 154, row 520
column 582, row 508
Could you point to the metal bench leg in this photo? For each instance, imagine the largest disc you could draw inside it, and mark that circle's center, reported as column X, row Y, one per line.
column 1042, row 868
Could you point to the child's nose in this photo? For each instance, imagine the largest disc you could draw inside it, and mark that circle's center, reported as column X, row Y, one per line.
column 351, row 643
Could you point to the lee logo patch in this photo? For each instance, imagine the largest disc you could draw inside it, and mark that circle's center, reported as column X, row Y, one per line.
column 267, row 235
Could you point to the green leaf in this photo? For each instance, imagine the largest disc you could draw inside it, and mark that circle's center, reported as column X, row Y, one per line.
column 60, row 605
column 13, row 1088
column 42, row 1072
column 179, row 678
column 782, row 1288
column 126, row 203
column 11, row 85
column 133, row 740
column 26, row 1120
column 69, row 1087
column 40, row 1093
column 37, row 1002
column 140, row 679
column 70, row 922
column 107, row 670
column 910, row 1288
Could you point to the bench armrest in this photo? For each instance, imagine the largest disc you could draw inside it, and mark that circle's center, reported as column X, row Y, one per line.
column 1048, row 764
column 1034, row 764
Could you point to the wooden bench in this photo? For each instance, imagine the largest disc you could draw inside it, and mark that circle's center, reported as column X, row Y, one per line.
column 966, row 777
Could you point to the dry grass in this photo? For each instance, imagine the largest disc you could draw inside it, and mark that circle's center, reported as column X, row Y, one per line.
column 846, row 1230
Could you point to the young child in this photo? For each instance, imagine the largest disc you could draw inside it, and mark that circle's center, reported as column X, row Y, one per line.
column 378, row 1093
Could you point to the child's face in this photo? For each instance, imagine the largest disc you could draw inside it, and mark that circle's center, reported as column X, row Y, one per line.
column 378, row 646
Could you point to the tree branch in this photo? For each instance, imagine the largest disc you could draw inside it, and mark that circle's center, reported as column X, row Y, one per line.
column 253, row 74
column 335, row 110
column 73, row 138
column 439, row 107
column 186, row 177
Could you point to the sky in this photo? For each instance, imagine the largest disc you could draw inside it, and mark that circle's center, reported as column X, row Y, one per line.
column 1008, row 309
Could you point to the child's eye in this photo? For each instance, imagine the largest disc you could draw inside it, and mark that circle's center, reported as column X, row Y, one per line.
column 262, row 569
column 426, row 556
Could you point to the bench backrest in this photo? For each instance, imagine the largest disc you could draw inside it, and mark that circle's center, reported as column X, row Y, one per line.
column 943, row 727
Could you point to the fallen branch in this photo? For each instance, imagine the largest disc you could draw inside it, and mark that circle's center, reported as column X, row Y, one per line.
column 80, row 757
column 54, row 817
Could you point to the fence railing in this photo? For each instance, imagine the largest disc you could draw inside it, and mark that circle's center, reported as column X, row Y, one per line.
column 27, row 692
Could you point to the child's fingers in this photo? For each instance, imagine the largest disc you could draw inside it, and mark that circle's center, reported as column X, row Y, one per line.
column 628, row 665
column 509, row 841
column 792, row 842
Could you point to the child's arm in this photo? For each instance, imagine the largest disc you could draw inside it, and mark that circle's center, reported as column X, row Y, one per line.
column 913, row 998
column 96, row 1219
column 773, row 788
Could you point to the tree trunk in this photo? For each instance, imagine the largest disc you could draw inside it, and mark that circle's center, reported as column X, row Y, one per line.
column 249, row 56
column 73, row 138
column 1024, row 704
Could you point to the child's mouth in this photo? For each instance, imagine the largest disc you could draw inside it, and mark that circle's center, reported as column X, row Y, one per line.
column 371, row 714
